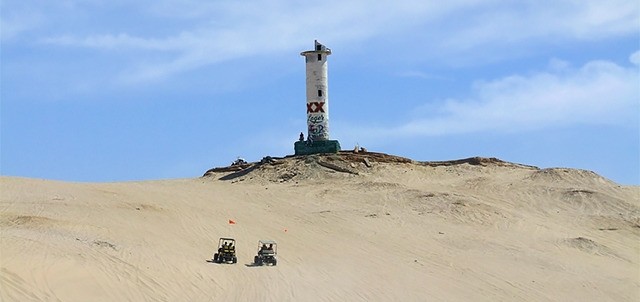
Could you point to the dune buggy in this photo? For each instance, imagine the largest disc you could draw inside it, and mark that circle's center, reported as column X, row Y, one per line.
column 226, row 251
column 267, row 252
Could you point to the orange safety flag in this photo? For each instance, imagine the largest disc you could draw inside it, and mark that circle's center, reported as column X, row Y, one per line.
column 232, row 221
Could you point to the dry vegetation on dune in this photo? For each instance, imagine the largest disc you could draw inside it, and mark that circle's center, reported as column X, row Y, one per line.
column 351, row 227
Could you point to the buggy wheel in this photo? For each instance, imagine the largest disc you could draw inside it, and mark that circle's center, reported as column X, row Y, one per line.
column 215, row 257
column 234, row 260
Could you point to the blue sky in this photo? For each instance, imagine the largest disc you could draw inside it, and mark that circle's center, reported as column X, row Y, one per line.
column 117, row 90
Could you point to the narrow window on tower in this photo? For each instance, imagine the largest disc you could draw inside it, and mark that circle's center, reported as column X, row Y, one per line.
column 318, row 47
column 319, row 57
column 319, row 92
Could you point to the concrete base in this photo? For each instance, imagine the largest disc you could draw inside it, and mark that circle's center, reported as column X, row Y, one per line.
column 306, row 148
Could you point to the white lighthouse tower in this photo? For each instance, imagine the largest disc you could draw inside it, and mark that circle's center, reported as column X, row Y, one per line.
column 317, row 103
column 317, row 92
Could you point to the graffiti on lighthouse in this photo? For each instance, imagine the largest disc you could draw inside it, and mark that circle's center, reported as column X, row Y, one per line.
column 317, row 92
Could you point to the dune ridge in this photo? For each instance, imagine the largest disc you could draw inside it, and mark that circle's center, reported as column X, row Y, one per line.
column 360, row 226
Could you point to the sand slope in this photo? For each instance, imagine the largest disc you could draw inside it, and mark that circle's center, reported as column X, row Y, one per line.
column 349, row 229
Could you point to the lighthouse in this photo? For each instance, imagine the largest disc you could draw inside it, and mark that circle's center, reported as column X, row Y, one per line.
column 317, row 105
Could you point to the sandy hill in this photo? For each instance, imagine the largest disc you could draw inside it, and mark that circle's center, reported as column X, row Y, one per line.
column 350, row 227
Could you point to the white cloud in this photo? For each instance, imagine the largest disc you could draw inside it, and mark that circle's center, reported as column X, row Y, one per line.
column 594, row 18
column 244, row 29
column 219, row 31
column 420, row 75
column 501, row 24
column 14, row 25
column 119, row 41
column 635, row 58
column 599, row 92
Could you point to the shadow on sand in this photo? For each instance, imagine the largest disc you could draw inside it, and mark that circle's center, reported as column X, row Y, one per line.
column 242, row 172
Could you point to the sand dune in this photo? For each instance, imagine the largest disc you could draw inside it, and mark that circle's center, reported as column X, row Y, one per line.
column 350, row 227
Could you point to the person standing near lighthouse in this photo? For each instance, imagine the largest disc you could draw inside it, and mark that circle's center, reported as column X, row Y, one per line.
column 317, row 91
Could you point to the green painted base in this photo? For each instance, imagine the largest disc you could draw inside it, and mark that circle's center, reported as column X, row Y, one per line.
column 306, row 148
